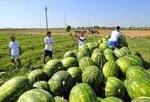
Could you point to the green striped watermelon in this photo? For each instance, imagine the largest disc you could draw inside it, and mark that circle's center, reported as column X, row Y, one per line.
column 125, row 50
column 141, row 99
column 85, row 62
column 68, row 28
column 98, row 59
column 138, row 86
column 110, row 69
column 42, row 85
column 99, row 41
column 37, row 75
column 136, row 71
column 60, row 99
column 97, row 50
column 105, row 38
column 122, row 42
column 123, row 64
column 60, row 83
column 109, row 54
column 82, row 93
column 69, row 62
column 103, row 45
column 93, row 76
column 119, row 53
column 13, row 88
column 134, row 59
column 114, row 87
column 76, row 74
column 82, row 52
column 111, row 99
column 92, row 46
column 99, row 99
column 69, row 54
column 53, row 66
column 36, row 95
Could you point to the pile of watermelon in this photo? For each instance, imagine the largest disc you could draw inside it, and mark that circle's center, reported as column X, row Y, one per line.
column 94, row 73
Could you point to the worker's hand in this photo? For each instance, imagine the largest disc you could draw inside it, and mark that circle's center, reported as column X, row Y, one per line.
column 76, row 35
column 70, row 33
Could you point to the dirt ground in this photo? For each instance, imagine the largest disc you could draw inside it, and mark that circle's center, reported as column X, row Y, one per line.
column 128, row 32
column 62, row 32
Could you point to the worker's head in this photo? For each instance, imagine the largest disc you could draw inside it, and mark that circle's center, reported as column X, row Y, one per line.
column 82, row 33
column 118, row 28
column 49, row 33
column 12, row 38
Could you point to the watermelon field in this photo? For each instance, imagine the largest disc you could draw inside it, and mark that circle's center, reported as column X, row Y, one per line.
column 93, row 73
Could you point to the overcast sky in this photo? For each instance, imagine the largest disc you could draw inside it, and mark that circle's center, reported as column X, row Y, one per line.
column 31, row 13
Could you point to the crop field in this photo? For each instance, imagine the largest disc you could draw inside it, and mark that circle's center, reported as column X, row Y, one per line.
column 33, row 47
column 31, row 42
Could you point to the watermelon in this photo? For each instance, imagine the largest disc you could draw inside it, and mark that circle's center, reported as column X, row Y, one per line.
column 97, row 50
column 98, row 59
column 60, row 83
column 136, row 71
column 103, row 45
column 42, row 85
column 99, row 99
column 99, row 41
column 69, row 62
column 92, row 46
column 85, row 62
column 68, row 28
column 109, row 54
column 60, row 99
column 75, row 73
column 13, row 88
column 134, row 59
column 53, row 66
column 82, row 93
column 82, row 52
column 75, row 52
column 123, row 64
column 141, row 99
column 125, row 50
column 105, row 38
column 93, row 76
column 119, row 53
column 36, row 95
column 138, row 86
column 69, row 54
column 114, row 87
column 37, row 75
column 111, row 99
column 110, row 69
column 122, row 42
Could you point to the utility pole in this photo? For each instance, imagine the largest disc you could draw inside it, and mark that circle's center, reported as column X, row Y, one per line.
column 46, row 18
column 65, row 20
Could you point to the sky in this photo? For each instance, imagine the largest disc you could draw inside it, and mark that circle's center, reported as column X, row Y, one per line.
column 77, row 13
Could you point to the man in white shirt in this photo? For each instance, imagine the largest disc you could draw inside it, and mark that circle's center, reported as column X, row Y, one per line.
column 48, row 41
column 114, row 37
column 14, row 50
column 81, row 39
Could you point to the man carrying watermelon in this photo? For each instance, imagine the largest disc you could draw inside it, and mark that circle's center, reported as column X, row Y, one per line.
column 14, row 50
column 80, row 37
column 48, row 41
column 114, row 37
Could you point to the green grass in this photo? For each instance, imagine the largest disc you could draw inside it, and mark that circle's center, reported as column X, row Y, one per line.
column 33, row 48
column 140, row 45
